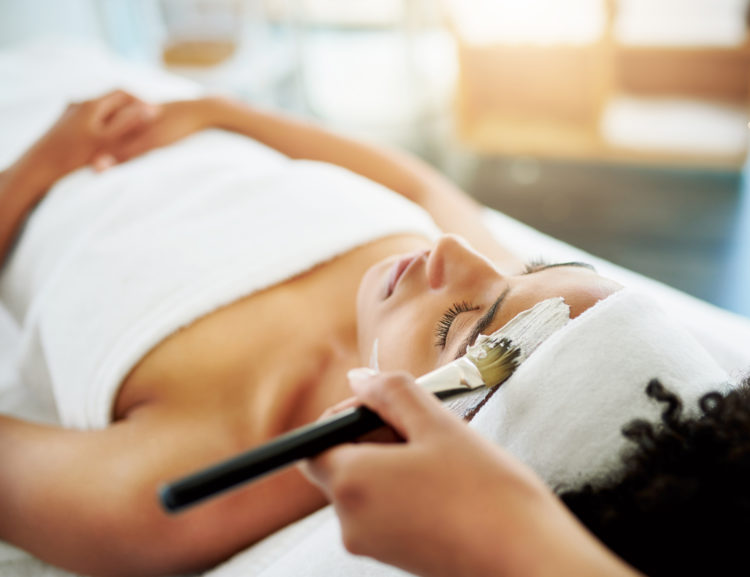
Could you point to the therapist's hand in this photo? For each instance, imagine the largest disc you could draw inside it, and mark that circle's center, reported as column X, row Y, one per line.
column 446, row 501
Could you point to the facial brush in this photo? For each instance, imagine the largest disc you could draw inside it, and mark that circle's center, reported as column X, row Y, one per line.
column 487, row 363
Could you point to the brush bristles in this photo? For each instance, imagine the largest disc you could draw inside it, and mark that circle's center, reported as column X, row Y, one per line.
column 495, row 358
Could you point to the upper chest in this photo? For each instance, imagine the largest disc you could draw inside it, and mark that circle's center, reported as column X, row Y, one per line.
column 272, row 360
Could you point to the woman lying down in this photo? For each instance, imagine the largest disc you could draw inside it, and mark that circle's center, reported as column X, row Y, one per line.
column 204, row 291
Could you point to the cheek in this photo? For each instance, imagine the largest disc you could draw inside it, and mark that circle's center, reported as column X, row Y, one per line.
column 405, row 339
column 400, row 353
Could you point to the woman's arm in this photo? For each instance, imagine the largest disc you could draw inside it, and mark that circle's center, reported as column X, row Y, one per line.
column 74, row 141
column 20, row 189
column 87, row 501
column 451, row 208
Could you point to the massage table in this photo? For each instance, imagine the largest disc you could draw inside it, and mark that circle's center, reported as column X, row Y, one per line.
column 311, row 546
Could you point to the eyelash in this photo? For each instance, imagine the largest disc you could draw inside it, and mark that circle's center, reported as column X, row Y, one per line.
column 445, row 322
column 534, row 264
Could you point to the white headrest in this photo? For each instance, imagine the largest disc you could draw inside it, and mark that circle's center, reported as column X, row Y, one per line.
column 563, row 410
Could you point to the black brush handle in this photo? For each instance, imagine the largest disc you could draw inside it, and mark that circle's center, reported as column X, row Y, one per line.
column 298, row 444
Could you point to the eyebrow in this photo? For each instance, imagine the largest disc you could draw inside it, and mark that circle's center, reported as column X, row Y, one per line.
column 489, row 316
column 531, row 269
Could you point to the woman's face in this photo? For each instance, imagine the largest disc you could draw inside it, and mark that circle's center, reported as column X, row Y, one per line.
column 426, row 307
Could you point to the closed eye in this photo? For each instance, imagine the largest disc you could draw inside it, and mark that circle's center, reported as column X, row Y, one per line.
column 446, row 321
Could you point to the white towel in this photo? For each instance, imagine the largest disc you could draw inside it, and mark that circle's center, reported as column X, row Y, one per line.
column 563, row 410
column 109, row 266
column 310, row 547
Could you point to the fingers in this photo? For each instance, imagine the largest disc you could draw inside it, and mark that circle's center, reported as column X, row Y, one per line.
column 410, row 410
column 131, row 133
column 127, row 119
column 104, row 107
column 337, row 470
column 139, row 142
column 103, row 161
column 118, row 114
column 134, row 141
column 320, row 469
column 342, row 406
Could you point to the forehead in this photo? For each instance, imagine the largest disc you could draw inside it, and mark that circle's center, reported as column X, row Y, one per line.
column 580, row 287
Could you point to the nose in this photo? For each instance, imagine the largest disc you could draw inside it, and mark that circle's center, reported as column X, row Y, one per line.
column 453, row 259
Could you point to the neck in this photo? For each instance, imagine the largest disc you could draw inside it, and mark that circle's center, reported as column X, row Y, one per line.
column 318, row 366
column 324, row 346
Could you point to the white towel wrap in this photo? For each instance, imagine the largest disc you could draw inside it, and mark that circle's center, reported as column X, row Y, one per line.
column 563, row 410
column 110, row 265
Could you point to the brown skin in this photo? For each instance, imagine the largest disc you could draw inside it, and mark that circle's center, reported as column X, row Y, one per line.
column 86, row 501
column 394, row 500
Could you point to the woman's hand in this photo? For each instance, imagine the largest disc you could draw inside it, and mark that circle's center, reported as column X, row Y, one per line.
column 83, row 131
column 167, row 123
column 75, row 140
column 447, row 502
column 111, row 129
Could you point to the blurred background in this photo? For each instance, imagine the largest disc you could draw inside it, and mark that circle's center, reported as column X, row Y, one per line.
column 619, row 126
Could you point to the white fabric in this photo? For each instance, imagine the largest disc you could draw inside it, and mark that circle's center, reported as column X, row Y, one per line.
column 310, row 547
column 563, row 410
column 110, row 265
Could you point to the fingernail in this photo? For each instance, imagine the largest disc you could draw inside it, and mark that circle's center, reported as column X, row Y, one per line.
column 104, row 162
column 149, row 112
column 361, row 374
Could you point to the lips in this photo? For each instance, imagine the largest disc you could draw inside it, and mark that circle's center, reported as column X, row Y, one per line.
column 397, row 271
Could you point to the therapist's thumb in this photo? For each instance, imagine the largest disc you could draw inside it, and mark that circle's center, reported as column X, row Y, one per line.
column 410, row 410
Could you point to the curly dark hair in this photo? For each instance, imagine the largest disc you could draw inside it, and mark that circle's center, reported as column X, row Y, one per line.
column 681, row 504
